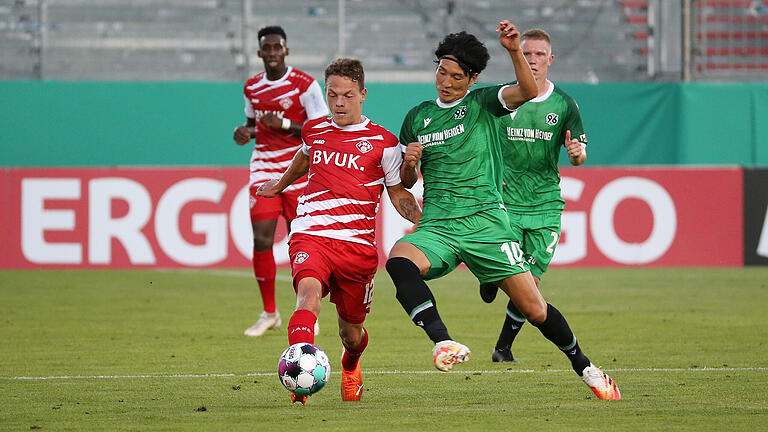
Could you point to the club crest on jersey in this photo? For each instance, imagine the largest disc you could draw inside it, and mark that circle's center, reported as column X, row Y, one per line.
column 364, row 146
column 285, row 103
column 459, row 114
column 300, row 257
column 552, row 119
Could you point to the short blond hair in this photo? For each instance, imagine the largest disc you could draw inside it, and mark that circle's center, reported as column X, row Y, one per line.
column 536, row 34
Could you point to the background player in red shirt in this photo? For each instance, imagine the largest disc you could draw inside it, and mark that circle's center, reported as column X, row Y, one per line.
column 277, row 103
column 350, row 160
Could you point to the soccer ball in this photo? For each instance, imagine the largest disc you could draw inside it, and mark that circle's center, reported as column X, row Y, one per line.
column 303, row 369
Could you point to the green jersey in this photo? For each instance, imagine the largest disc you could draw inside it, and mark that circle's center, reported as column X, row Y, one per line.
column 461, row 155
column 532, row 137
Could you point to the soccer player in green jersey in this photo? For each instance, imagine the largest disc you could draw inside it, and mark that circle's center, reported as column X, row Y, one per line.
column 531, row 139
column 455, row 142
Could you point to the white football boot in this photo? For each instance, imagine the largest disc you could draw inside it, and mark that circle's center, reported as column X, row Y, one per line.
column 266, row 321
column 448, row 353
column 601, row 384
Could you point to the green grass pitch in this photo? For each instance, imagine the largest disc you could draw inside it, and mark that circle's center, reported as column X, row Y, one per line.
column 163, row 350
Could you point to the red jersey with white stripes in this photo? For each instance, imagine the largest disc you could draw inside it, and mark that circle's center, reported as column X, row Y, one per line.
column 295, row 96
column 348, row 169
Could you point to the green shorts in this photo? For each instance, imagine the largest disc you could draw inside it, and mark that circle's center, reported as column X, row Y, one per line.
column 483, row 241
column 539, row 234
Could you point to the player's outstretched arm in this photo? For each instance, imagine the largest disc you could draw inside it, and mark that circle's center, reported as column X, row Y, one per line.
column 299, row 166
column 405, row 203
column 577, row 154
column 525, row 89
column 409, row 169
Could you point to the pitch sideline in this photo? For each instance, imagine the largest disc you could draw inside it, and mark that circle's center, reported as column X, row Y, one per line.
column 380, row 372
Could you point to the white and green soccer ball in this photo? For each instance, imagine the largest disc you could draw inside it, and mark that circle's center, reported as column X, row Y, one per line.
column 303, row 369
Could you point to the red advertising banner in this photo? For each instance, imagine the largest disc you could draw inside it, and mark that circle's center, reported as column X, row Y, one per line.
column 125, row 217
column 198, row 217
column 651, row 216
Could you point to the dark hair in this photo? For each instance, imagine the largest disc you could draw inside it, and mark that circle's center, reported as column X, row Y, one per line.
column 347, row 67
column 472, row 54
column 276, row 30
column 536, row 34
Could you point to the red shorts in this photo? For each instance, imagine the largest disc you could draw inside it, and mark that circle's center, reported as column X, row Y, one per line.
column 344, row 268
column 270, row 208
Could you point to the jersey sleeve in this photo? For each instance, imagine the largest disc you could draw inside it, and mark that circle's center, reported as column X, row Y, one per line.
column 304, row 147
column 573, row 122
column 391, row 159
column 313, row 102
column 406, row 130
column 248, row 107
column 489, row 98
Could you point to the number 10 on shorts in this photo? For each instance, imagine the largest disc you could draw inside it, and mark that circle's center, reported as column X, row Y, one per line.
column 514, row 253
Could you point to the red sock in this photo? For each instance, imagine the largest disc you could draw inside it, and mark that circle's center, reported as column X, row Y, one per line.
column 264, row 269
column 351, row 356
column 301, row 327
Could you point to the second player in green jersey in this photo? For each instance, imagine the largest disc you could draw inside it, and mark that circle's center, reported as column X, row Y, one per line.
column 532, row 139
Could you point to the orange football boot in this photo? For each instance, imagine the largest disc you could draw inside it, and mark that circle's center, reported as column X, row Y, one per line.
column 351, row 384
column 298, row 398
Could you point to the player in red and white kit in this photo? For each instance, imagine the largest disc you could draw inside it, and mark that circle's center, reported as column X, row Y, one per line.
column 277, row 103
column 350, row 161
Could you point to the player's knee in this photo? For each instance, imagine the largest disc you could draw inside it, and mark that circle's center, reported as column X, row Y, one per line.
column 399, row 267
column 405, row 275
column 350, row 335
column 262, row 243
column 396, row 265
column 535, row 312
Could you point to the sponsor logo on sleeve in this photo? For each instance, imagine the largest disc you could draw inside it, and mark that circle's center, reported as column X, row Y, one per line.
column 300, row 257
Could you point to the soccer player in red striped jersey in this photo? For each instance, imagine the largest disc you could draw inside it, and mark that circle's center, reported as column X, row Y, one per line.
column 350, row 161
column 277, row 103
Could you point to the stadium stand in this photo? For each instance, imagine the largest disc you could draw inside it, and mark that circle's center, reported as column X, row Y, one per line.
column 732, row 36
column 19, row 43
column 395, row 43
column 595, row 40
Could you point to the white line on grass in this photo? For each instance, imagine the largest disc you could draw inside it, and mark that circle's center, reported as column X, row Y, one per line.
column 380, row 372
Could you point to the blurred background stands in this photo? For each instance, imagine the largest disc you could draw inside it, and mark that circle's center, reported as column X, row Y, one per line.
column 215, row 40
column 732, row 38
